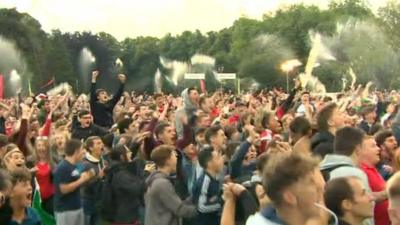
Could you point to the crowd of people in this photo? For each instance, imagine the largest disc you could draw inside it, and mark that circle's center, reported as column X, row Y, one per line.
column 258, row 158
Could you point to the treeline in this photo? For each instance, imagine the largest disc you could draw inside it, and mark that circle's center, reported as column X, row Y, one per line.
column 236, row 48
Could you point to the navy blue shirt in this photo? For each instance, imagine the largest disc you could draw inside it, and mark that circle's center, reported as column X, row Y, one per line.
column 65, row 174
column 31, row 218
column 207, row 196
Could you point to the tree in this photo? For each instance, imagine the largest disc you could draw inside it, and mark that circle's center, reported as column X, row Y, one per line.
column 29, row 38
column 351, row 8
column 389, row 18
column 294, row 23
column 263, row 59
column 142, row 58
column 58, row 61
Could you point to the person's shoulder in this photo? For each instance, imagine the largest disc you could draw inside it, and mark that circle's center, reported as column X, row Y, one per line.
column 64, row 166
column 259, row 220
column 161, row 182
column 345, row 171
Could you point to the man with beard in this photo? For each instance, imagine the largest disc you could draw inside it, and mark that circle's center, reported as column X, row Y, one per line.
column 387, row 144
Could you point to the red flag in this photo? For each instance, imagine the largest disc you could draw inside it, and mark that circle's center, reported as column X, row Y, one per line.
column 49, row 83
column 203, row 86
column 1, row 86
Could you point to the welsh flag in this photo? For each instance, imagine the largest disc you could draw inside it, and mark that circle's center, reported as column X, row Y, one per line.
column 46, row 218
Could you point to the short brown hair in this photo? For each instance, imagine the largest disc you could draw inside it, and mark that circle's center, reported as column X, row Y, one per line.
column 324, row 115
column 161, row 154
column 20, row 175
column 347, row 139
column 284, row 171
column 381, row 136
column 90, row 142
column 336, row 191
column 72, row 146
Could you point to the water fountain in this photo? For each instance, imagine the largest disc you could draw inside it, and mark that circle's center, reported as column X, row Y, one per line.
column 12, row 66
column 178, row 69
column 158, row 82
column 15, row 80
column 265, row 55
column 363, row 48
column 86, row 64
column 199, row 63
column 318, row 52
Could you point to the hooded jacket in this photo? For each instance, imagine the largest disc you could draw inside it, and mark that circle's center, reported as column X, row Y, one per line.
column 333, row 160
column 322, row 143
column 189, row 109
column 163, row 205
column 128, row 187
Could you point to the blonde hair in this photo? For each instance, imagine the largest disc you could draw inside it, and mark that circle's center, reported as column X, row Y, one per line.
column 10, row 149
column 46, row 142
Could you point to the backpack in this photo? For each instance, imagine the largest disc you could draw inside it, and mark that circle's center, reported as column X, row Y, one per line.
column 326, row 173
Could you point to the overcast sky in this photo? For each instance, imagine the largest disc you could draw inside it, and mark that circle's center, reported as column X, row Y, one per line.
column 132, row 18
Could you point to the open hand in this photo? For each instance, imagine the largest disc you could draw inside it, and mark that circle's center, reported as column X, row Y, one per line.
column 150, row 167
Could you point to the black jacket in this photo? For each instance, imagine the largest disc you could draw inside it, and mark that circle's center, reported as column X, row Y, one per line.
column 322, row 143
column 128, row 187
column 246, row 206
column 103, row 112
column 83, row 133
column 366, row 127
column 91, row 190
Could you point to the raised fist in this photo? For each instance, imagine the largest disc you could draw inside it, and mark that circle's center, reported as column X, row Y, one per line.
column 95, row 74
column 122, row 78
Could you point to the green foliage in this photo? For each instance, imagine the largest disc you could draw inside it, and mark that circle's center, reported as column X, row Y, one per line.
column 389, row 18
column 254, row 49
column 141, row 57
column 352, row 8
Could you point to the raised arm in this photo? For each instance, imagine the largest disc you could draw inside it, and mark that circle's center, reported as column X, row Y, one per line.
column 237, row 159
column 23, row 130
column 93, row 97
column 289, row 100
column 117, row 96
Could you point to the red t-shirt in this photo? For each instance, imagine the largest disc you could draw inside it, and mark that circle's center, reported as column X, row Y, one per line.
column 215, row 113
column 234, row 119
column 43, row 176
column 377, row 184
